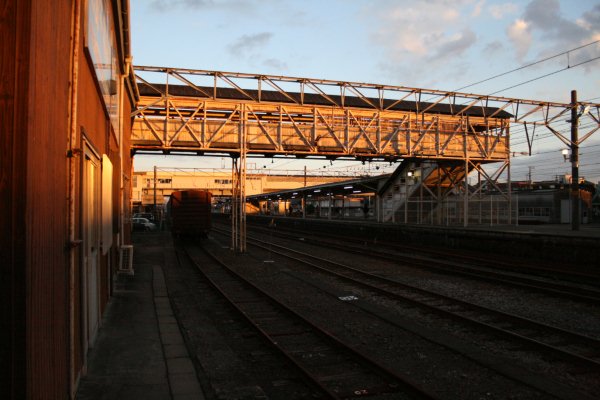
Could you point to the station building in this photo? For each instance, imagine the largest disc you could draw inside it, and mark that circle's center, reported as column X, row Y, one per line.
column 550, row 201
column 66, row 100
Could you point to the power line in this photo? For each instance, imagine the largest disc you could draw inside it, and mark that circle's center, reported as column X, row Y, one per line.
column 527, row 66
column 545, row 75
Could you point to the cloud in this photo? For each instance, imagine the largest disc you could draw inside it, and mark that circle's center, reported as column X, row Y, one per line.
column 519, row 34
column 275, row 64
column 543, row 12
column 231, row 5
column 499, row 11
column 477, row 9
column 443, row 40
column 546, row 18
column 455, row 45
column 252, row 47
column 422, row 38
column 544, row 22
column 422, row 28
column 249, row 44
column 165, row 5
column 493, row 48
column 591, row 19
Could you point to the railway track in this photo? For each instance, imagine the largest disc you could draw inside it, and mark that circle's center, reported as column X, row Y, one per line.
column 340, row 370
column 580, row 353
column 442, row 263
column 570, row 346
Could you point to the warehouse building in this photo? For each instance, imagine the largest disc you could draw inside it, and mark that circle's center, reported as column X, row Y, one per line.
column 66, row 90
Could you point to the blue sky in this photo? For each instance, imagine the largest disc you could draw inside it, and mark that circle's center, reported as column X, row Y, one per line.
column 436, row 44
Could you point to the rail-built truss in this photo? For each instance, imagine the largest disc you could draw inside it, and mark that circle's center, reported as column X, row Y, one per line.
column 204, row 112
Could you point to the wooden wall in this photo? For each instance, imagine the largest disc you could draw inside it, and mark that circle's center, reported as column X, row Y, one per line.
column 39, row 354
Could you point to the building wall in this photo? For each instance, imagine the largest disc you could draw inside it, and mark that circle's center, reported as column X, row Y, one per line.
column 14, row 86
column 219, row 183
column 40, row 186
column 545, row 206
column 46, row 210
column 35, row 57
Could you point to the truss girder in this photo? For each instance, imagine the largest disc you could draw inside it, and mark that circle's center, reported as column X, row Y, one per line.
column 361, row 120
column 190, row 124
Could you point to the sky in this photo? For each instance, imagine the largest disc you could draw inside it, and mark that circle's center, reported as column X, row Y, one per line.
column 435, row 44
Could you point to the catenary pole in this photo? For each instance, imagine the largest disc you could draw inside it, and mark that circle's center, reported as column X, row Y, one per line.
column 574, row 162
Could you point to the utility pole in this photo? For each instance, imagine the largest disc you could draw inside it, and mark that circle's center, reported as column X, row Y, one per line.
column 154, row 211
column 305, row 176
column 574, row 162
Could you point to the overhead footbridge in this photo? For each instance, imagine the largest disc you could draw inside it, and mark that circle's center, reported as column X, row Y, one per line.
column 439, row 136
column 237, row 115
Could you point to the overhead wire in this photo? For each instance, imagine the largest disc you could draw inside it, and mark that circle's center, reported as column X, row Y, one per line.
column 546, row 135
column 526, row 66
column 541, row 137
column 545, row 75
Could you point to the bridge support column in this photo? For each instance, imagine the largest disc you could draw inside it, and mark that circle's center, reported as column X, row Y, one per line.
column 238, row 205
column 238, row 194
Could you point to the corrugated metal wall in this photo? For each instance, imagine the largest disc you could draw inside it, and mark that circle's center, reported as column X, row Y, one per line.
column 36, row 302
column 14, row 69
column 46, row 208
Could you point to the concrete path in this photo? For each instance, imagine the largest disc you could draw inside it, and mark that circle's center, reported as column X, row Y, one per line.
column 140, row 352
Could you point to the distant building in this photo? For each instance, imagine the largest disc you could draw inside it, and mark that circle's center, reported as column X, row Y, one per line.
column 550, row 201
column 218, row 182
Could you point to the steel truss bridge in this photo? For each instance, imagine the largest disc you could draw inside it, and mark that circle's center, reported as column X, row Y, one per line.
column 184, row 111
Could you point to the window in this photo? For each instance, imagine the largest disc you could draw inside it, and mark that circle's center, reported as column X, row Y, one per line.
column 534, row 211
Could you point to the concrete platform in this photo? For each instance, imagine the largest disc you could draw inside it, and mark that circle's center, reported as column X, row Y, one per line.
column 140, row 352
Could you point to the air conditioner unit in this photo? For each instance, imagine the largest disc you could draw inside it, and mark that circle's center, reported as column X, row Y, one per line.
column 126, row 259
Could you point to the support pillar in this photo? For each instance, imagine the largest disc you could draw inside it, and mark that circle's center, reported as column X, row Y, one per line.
column 303, row 207
column 238, row 198
column 509, row 181
column 466, row 198
column 405, row 197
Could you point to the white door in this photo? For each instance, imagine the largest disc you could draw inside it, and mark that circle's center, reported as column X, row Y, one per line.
column 91, row 246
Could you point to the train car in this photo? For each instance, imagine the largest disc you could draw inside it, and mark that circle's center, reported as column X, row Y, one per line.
column 188, row 213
